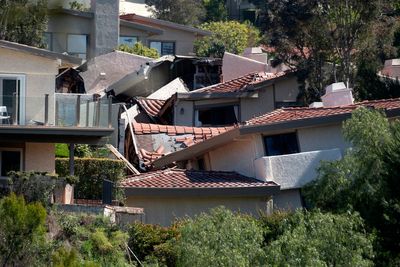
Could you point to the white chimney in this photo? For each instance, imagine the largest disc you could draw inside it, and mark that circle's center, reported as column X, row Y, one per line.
column 255, row 53
column 337, row 94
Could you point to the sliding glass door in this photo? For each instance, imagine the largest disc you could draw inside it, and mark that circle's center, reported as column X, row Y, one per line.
column 12, row 92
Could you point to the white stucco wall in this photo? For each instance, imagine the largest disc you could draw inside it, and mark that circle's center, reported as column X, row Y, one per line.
column 294, row 170
column 40, row 157
column 289, row 200
column 183, row 113
column 165, row 210
column 252, row 107
column 234, row 66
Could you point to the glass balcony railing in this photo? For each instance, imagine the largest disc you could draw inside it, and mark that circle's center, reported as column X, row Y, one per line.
column 56, row 110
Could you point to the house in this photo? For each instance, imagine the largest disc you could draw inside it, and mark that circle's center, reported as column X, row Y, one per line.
column 391, row 69
column 236, row 100
column 167, row 195
column 98, row 29
column 166, row 37
column 284, row 146
column 34, row 116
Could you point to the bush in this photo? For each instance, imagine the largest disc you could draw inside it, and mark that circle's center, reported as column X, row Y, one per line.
column 35, row 186
column 274, row 225
column 91, row 173
column 22, row 231
column 139, row 49
column 319, row 239
column 220, row 238
column 153, row 242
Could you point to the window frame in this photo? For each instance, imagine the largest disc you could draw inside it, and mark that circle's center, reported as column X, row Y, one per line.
column 78, row 53
column 162, row 42
column 264, row 136
column 12, row 149
column 128, row 36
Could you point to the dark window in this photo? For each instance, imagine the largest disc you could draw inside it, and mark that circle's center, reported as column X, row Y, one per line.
column 287, row 104
column 77, row 45
column 281, row 144
column 217, row 116
column 163, row 48
column 201, row 164
column 48, row 40
column 9, row 161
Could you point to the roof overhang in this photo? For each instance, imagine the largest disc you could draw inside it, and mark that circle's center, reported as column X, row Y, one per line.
column 44, row 134
column 262, row 191
column 203, row 95
column 141, row 27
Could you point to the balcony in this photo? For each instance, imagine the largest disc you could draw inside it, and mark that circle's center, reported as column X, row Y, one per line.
column 56, row 117
column 293, row 170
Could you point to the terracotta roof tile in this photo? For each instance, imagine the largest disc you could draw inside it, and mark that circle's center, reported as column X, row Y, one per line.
column 240, row 84
column 172, row 130
column 151, row 106
column 177, row 178
column 291, row 114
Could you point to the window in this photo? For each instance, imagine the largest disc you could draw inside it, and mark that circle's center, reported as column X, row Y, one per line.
column 281, row 144
column 217, row 116
column 128, row 40
column 77, row 45
column 10, row 160
column 48, row 40
column 163, row 48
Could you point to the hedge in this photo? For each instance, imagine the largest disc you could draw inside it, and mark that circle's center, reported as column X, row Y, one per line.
column 91, row 172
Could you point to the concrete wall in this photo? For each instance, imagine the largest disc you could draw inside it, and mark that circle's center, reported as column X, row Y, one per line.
column 293, row 170
column 186, row 116
column 288, row 200
column 251, row 107
column 287, row 89
column 40, row 157
column 164, row 211
column 235, row 66
column 39, row 76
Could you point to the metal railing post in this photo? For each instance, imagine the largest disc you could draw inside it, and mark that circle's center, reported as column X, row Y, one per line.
column 109, row 111
column 78, row 111
column 46, row 109
column 14, row 114
column 98, row 113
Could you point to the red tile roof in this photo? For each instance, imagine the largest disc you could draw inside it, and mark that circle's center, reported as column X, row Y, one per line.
column 291, row 114
column 177, row 178
column 240, row 84
column 151, row 106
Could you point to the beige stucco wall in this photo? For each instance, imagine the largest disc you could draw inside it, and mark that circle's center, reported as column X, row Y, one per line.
column 39, row 73
column 185, row 117
column 288, row 200
column 287, row 89
column 251, row 107
column 39, row 157
column 321, row 138
column 165, row 210
column 128, row 31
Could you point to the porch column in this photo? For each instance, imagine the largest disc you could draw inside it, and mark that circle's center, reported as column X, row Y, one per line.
column 71, row 159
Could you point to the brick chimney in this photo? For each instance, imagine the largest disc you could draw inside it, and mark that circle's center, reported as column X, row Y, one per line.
column 337, row 94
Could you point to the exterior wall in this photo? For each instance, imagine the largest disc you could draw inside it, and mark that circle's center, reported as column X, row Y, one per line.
column 238, row 156
column 251, row 107
column 183, row 40
column 40, row 157
column 39, row 75
column 165, row 210
column 287, row 89
column 288, row 200
column 185, row 118
column 128, row 31
column 235, row 66
column 322, row 138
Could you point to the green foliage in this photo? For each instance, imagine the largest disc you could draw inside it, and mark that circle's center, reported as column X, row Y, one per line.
column 23, row 21
column 140, row 49
column 82, row 151
column 275, row 224
column 220, row 238
column 62, row 151
column 75, row 5
column 366, row 179
column 216, row 10
column 153, row 242
column 91, row 172
column 34, row 186
column 319, row 239
column 22, row 231
column 187, row 12
column 229, row 36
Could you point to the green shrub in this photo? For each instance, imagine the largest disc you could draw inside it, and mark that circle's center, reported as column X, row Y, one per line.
column 274, row 225
column 153, row 243
column 139, row 49
column 34, row 186
column 220, row 238
column 322, row 239
column 91, row 172
column 22, row 231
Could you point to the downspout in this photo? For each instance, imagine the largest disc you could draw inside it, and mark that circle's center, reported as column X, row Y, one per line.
column 133, row 137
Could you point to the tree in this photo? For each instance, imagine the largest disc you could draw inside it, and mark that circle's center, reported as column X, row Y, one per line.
column 220, row 238
column 23, row 21
column 230, row 36
column 319, row 239
column 22, row 229
column 140, row 49
column 215, row 10
column 366, row 180
column 187, row 12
